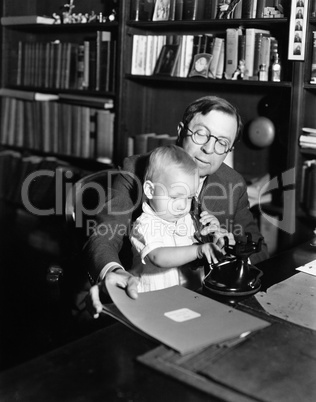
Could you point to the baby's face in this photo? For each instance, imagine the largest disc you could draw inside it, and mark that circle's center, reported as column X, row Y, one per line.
column 173, row 194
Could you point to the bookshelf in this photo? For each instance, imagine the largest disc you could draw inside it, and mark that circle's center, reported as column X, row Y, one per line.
column 159, row 101
column 78, row 62
column 155, row 103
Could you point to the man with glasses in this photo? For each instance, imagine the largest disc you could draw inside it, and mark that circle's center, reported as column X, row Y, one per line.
column 208, row 131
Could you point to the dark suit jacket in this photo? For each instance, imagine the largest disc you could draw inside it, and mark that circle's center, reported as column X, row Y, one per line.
column 224, row 194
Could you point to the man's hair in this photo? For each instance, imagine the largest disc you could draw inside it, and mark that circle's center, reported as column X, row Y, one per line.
column 164, row 159
column 204, row 106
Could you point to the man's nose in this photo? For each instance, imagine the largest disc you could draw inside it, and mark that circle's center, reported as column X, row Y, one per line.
column 208, row 148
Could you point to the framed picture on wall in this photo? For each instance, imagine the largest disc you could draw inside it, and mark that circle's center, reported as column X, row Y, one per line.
column 297, row 34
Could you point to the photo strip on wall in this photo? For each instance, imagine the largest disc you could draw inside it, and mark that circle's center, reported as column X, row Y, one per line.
column 297, row 34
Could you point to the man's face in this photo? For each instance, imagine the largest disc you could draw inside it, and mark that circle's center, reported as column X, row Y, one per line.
column 217, row 123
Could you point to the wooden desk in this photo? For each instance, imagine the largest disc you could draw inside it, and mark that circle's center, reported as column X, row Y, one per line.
column 103, row 367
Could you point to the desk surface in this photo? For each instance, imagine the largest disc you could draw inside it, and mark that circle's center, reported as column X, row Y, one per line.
column 103, row 367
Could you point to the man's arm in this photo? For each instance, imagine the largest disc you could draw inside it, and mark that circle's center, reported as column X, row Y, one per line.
column 113, row 222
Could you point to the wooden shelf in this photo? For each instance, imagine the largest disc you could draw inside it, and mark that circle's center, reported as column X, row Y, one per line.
column 205, row 81
column 64, row 27
column 209, row 25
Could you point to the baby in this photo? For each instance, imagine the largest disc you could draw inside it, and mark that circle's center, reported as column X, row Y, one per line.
column 163, row 236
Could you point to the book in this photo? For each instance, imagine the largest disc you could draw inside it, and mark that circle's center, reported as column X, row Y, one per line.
column 179, row 10
column 193, row 10
column 151, row 57
column 231, row 62
column 250, row 48
column 218, row 43
column 92, row 101
column 104, row 135
column 140, row 143
column 221, row 62
column 310, row 131
column 139, row 48
column 28, row 95
column 241, row 47
column 249, row 9
column 103, row 60
column 210, row 9
column 142, row 10
column 182, row 319
column 258, row 55
column 155, row 141
column 313, row 61
column 27, row 19
column 260, row 8
column 172, row 10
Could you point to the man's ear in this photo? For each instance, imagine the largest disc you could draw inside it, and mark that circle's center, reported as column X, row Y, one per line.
column 149, row 189
column 179, row 129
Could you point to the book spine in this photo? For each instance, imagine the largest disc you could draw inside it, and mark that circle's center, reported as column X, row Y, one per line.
column 210, row 9
column 241, row 47
column 86, row 62
column 134, row 10
column 172, row 10
column 313, row 66
column 179, row 10
column 20, row 63
column 215, row 58
column 256, row 61
column 193, row 10
column 231, row 62
column 249, row 9
column 221, row 62
column 260, row 8
column 80, row 67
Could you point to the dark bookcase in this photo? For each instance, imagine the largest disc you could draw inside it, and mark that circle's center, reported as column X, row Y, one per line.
column 81, row 58
column 154, row 103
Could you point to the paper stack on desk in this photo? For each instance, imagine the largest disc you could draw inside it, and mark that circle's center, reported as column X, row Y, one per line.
column 182, row 319
column 293, row 299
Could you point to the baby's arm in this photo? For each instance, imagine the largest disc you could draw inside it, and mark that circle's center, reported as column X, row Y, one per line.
column 168, row 257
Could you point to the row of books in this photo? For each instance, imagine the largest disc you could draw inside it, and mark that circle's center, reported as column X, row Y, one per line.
column 162, row 10
column 253, row 45
column 64, row 65
column 313, row 62
column 41, row 192
column 58, row 128
column 100, row 102
column 146, row 142
column 308, row 138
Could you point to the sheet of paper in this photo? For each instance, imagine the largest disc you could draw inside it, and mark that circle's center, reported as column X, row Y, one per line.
column 293, row 300
column 182, row 319
column 309, row 268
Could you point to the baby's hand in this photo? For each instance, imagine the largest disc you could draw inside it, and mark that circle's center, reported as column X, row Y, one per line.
column 211, row 251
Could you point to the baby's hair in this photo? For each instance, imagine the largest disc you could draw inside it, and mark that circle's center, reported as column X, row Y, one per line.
column 164, row 158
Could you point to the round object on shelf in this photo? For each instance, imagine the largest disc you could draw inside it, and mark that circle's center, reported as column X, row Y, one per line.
column 261, row 132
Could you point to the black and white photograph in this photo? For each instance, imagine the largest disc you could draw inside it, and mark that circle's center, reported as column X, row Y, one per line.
column 158, row 201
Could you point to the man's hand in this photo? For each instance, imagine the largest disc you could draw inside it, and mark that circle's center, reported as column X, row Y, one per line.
column 120, row 278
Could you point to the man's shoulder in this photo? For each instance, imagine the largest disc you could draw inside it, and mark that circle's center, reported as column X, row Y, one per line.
column 226, row 174
column 136, row 164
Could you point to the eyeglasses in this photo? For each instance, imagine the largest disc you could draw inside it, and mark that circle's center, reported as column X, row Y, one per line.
column 202, row 137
